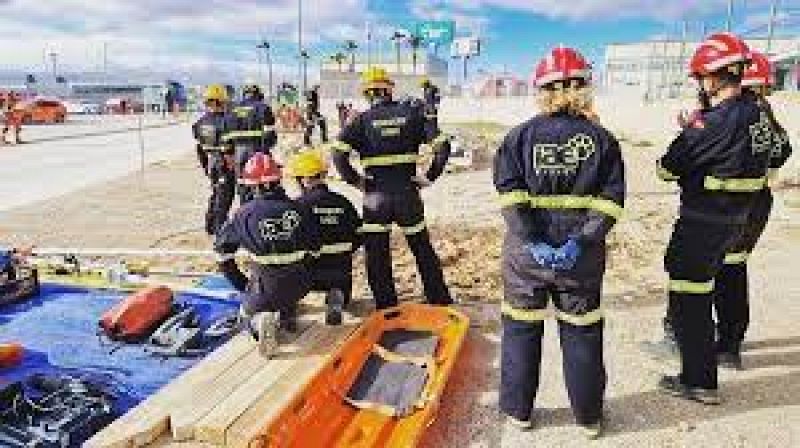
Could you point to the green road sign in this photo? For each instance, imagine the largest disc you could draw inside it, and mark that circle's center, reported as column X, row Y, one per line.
column 438, row 32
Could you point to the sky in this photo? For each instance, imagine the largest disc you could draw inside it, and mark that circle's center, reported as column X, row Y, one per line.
column 217, row 38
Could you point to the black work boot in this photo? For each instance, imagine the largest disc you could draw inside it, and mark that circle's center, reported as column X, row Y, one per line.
column 672, row 385
column 335, row 303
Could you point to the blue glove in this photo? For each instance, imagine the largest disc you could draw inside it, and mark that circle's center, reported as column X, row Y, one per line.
column 543, row 254
column 566, row 257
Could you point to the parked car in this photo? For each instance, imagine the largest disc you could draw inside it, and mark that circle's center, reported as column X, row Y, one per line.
column 46, row 111
column 84, row 108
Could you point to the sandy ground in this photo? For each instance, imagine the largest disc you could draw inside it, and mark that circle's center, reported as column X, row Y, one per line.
column 164, row 208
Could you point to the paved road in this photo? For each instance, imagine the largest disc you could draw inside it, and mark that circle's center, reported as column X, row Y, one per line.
column 64, row 159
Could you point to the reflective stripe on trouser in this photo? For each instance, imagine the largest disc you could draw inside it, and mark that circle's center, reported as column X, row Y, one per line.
column 582, row 347
column 404, row 208
column 731, row 297
column 223, row 190
column 693, row 260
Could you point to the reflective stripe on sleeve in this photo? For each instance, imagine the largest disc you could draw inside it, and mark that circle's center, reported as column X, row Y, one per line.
column 689, row 287
column 736, row 258
column 521, row 315
column 270, row 128
column 515, row 198
column 336, row 248
column 340, row 146
column 388, row 160
column 665, row 174
column 583, row 320
column 221, row 258
column 280, row 259
column 413, row 230
column 374, row 228
column 712, row 183
column 243, row 134
column 211, row 148
column 440, row 140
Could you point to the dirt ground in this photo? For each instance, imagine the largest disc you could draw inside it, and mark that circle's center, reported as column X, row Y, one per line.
column 163, row 208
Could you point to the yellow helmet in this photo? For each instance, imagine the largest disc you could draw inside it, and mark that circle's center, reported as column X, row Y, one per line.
column 306, row 163
column 424, row 82
column 376, row 78
column 216, row 92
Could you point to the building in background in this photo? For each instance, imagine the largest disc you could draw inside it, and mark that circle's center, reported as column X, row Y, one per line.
column 657, row 68
column 343, row 80
column 499, row 85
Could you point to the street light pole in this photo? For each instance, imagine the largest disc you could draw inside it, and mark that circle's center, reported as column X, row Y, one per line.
column 264, row 45
column 300, row 49
column 54, row 61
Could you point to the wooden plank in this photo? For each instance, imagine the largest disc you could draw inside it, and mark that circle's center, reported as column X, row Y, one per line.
column 212, row 427
column 151, row 417
column 250, row 424
column 185, row 415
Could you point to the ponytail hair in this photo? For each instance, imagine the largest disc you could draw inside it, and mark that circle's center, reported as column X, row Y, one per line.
column 571, row 100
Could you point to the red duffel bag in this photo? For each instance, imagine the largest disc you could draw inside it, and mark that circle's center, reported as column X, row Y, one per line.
column 136, row 317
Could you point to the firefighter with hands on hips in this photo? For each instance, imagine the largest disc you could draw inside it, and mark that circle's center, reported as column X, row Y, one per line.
column 561, row 182
column 731, row 298
column 314, row 117
column 250, row 127
column 339, row 223
column 216, row 157
column 720, row 163
column 281, row 238
column 387, row 139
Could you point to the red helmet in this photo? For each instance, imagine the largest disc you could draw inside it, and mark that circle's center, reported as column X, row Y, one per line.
column 261, row 169
column 560, row 65
column 718, row 51
column 759, row 73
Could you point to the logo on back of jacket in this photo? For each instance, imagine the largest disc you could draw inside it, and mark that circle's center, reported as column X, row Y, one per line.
column 280, row 229
column 563, row 159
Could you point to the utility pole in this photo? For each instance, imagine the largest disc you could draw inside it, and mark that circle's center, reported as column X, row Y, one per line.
column 729, row 24
column 300, row 50
column 264, row 45
column 398, row 38
column 773, row 13
column 54, row 62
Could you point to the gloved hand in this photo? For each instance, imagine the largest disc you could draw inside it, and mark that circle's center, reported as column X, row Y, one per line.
column 543, row 254
column 566, row 257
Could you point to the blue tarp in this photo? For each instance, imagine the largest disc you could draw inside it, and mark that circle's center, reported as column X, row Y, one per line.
column 58, row 330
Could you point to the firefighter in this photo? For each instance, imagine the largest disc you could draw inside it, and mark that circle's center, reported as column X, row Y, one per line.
column 339, row 222
column 720, row 163
column 387, row 139
column 561, row 181
column 250, row 127
column 314, row 117
column 731, row 301
column 431, row 98
column 280, row 236
column 216, row 157
column 14, row 116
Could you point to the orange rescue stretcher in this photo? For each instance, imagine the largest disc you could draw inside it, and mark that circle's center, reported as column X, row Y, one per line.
column 381, row 389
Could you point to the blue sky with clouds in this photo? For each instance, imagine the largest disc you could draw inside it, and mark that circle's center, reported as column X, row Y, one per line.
column 218, row 36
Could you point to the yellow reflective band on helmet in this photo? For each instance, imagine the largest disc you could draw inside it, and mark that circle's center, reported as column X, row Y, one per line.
column 374, row 228
column 242, row 134
column 336, row 248
column 521, row 315
column 735, row 185
column 340, row 146
column 582, row 320
column 689, row 287
column 665, row 174
column 737, row 258
column 413, row 230
column 389, row 160
column 280, row 259
column 515, row 198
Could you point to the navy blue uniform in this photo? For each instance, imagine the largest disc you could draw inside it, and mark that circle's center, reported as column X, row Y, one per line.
column 281, row 237
column 314, row 118
column 731, row 301
column 339, row 223
column 387, row 140
column 559, row 177
column 216, row 158
column 721, row 168
column 250, row 128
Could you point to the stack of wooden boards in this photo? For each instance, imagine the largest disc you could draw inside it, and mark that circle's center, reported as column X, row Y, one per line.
column 227, row 398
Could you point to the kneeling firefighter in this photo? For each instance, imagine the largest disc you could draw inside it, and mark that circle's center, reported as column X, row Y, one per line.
column 250, row 128
column 561, row 181
column 720, row 162
column 387, row 138
column 339, row 222
column 281, row 237
column 216, row 157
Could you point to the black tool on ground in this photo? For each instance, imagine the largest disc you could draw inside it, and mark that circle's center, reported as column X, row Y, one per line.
column 180, row 335
column 52, row 412
column 18, row 279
